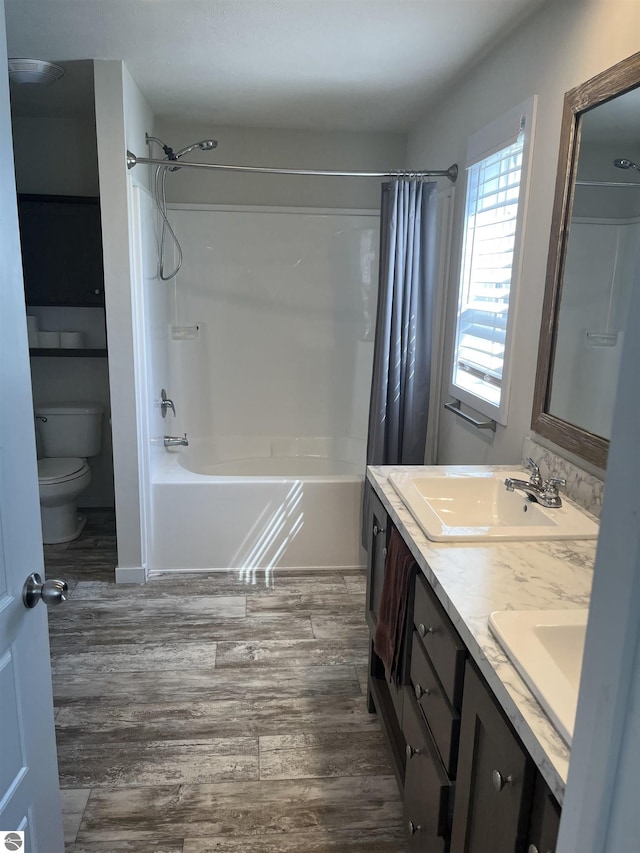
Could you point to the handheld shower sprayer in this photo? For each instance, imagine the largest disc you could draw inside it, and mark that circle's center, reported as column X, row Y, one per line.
column 161, row 198
column 623, row 163
column 205, row 145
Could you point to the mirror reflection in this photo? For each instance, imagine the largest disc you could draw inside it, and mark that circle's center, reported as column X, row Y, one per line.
column 602, row 261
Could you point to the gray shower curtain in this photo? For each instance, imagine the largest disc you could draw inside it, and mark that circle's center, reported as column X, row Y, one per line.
column 399, row 401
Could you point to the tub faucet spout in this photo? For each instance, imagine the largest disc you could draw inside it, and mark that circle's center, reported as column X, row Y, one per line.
column 176, row 441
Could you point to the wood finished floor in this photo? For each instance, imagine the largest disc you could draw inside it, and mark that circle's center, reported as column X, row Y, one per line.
column 215, row 713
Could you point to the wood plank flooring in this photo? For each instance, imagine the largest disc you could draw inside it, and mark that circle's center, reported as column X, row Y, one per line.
column 221, row 712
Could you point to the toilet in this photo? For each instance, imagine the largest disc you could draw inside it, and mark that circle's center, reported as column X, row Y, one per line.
column 67, row 434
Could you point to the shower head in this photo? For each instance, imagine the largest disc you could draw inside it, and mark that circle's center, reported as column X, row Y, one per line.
column 204, row 145
column 623, row 163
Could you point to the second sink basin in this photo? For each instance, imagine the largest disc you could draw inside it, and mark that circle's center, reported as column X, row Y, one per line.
column 546, row 647
column 463, row 503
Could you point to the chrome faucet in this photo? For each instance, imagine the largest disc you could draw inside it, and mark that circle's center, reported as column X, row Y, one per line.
column 545, row 492
column 536, row 478
column 176, row 441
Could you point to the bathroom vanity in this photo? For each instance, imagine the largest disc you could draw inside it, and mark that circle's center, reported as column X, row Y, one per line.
column 478, row 762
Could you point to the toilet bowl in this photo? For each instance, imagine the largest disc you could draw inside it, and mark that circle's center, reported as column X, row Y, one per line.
column 60, row 482
column 68, row 433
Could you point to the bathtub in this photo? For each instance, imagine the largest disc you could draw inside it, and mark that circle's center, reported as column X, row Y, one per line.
column 244, row 503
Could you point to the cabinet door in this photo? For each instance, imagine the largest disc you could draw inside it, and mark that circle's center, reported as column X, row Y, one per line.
column 61, row 241
column 545, row 820
column 495, row 777
column 377, row 538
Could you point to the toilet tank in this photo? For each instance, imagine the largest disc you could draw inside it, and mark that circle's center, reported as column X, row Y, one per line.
column 69, row 429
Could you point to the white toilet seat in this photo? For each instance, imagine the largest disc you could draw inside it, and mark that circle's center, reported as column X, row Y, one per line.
column 60, row 470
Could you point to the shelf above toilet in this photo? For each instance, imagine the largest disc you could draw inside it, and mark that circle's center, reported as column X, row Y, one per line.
column 68, row 353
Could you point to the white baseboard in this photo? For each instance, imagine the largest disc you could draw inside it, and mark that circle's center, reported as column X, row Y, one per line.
column 132, row 574
column 243, row 572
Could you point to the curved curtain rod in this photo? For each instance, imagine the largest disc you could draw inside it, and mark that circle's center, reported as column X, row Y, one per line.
column 451, row 172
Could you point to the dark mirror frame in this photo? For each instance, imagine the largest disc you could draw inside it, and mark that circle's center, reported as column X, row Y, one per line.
column 611, row 83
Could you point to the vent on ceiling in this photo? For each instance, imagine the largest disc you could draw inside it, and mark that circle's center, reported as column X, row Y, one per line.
column 39, row 71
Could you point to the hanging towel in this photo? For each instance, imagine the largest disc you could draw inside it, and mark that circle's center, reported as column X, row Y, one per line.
column 398, row 567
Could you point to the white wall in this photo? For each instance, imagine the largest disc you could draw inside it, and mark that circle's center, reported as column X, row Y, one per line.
column 122, row 116
column 57, row 156
column 285, row 300
column 289, row 149
column 600, row 810
column 559, row 47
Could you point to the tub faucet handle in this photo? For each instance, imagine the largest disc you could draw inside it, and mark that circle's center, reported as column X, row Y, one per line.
column 166, row 403
column 176, row 441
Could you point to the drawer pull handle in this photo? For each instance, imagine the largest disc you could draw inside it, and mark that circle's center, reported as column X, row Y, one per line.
column 377, row 531
column 421, row 691
column 423, row 630
column 499, row 781
column 414, row 827
column 412, row 750
column 532, row 849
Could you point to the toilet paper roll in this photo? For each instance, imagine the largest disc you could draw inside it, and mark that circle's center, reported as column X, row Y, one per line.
column 49, row 340
column 32, row 323
column 71, row 340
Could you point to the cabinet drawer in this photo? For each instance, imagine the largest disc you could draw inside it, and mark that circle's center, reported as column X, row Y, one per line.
column 427, row 789
column 445, row 649
column 443, row 720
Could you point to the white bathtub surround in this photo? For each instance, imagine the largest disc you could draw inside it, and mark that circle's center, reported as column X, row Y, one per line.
column 272, row 388
column 471, row 581
column 285, row 299
column 584, row 488
column 230, row 502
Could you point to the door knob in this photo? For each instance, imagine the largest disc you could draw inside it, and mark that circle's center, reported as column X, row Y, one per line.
column 51, row 591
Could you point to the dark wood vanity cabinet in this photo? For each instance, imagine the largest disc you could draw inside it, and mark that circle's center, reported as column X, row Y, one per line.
column 385, row 695
column 468, row 784
column 502, row 802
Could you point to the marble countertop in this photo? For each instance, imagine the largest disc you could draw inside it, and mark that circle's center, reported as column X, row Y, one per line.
column 473, row 579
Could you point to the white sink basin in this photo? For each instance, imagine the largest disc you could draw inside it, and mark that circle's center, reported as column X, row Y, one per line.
column 546, row 647
column 465, row 504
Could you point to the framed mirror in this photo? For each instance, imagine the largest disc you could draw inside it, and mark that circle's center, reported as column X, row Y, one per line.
column 594, row 258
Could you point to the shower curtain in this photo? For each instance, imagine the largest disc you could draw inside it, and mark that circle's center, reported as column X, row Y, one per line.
column 399, row 402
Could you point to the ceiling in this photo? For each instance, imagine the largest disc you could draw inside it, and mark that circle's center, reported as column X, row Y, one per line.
column 356, row 65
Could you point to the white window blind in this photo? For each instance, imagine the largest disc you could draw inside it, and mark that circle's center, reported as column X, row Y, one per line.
column 491, row 217
column 497, row 177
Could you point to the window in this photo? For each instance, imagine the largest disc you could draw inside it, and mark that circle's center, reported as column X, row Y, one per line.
column 497, row 170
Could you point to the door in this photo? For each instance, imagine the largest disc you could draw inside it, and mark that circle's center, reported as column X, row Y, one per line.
column 29, row 795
